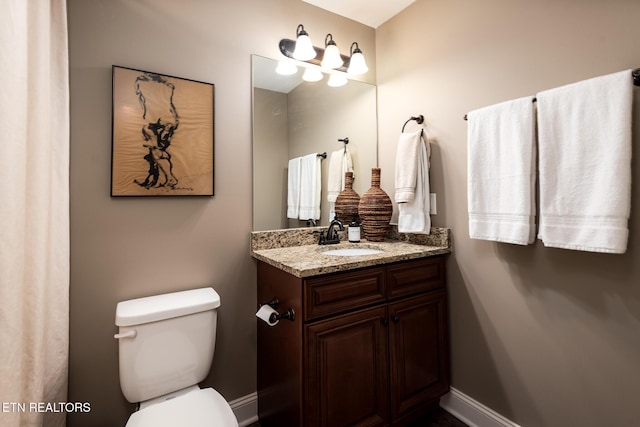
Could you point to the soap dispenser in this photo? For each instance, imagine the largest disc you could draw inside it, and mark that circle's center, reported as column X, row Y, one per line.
column 354, row 231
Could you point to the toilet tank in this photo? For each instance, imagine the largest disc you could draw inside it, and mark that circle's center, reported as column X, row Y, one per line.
column 166, row 342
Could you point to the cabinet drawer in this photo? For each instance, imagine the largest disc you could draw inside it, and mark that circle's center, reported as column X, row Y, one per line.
column 416, row 276
column 346, row 291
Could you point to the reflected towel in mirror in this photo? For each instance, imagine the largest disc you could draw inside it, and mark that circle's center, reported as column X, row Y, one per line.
column 310, row 186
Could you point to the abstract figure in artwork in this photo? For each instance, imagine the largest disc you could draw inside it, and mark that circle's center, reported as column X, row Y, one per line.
column 155, row 95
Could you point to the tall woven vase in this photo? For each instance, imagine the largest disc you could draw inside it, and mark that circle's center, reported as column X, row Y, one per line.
column 375, row 210
column 347, row 201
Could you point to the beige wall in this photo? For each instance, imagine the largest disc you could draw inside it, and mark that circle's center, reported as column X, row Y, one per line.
column 127, row 248
column 546, row 337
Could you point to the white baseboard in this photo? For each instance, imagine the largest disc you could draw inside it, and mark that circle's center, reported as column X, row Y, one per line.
column 245, row 409
column 472, row 412
column 458, row 404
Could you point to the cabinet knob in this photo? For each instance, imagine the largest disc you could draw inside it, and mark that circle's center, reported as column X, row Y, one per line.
column 385, row 322
column 396, row 319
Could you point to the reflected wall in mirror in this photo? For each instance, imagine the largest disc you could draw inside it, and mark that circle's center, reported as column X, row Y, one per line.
column 293, row 118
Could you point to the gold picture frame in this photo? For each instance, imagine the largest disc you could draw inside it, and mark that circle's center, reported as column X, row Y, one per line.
column 162, row 135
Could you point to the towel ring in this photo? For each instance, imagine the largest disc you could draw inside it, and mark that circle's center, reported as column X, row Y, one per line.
column 419, row 120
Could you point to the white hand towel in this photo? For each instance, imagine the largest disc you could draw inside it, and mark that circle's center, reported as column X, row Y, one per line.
column 501, row 172
column 310, row 187
column 412, row 184
column 407, row 155
column 340, row 161
column 585, row 164
column 293, row 188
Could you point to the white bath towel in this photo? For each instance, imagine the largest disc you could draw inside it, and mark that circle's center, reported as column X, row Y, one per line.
column 340, row 162
column 501, row 172
column 585, row 164
column 293, row 188
column 310, row 187
column 412, row 183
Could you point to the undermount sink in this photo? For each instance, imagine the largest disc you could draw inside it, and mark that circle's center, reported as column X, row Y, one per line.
column 352, row 252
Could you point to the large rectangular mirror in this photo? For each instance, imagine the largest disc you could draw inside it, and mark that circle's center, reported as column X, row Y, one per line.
column 294, row 118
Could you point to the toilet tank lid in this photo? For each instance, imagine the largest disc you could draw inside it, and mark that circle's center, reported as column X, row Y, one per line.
column 166, row 306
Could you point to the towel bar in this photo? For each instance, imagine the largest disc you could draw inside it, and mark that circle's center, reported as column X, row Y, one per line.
column 634, row 73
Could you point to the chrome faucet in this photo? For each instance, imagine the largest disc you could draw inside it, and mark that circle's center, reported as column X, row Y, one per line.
column 332, row 236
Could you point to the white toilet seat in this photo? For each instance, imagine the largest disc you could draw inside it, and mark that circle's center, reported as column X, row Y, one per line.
column 199, row 408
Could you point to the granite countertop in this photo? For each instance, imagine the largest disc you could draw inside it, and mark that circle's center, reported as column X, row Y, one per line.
column 293, row 252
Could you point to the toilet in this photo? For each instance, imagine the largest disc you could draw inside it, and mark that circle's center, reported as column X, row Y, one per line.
column 166, row 345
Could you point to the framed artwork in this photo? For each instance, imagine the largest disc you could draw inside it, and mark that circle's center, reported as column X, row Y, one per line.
column 162, row 135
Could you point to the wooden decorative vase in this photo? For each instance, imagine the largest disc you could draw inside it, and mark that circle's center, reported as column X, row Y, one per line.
column 347, row 201
column 375, row 209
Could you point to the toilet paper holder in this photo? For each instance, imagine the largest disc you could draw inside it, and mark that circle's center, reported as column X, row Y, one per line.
column 274, row 303
column 289, row 314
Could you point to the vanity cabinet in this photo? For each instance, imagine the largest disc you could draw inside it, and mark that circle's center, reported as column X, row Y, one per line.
column 367, row 347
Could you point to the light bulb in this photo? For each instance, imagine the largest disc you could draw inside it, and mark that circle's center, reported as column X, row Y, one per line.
column 332, row 58
column 357, row 64
column 304, row 50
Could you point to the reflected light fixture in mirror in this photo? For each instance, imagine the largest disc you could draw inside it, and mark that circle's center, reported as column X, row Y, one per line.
column 286, row 68
column 337, row 80
column 331, row 57
column 357, row 64
column 304, row 50
column 312, row 75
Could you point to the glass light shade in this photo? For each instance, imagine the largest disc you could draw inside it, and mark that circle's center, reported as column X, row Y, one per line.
column 332, row 57
column 304, row 50
column 337, row 80
column 286, row 68
column 357, row 64
column 312, row 75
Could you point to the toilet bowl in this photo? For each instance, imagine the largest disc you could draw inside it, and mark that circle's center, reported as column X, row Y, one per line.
column 165, row 346
column 197, row 408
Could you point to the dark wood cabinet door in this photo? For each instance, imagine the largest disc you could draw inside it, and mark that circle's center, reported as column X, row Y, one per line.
column 346, row 370
column 418, row 345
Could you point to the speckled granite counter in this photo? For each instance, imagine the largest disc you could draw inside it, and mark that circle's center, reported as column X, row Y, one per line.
column 296, row 251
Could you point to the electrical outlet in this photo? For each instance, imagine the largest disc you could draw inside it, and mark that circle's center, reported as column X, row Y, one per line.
column 432, row 204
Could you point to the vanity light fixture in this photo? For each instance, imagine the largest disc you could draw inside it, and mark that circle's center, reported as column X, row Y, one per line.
column 357, row 64
column 331, row 58
column 304, row 50
column 323, row 57
column 315, row 59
